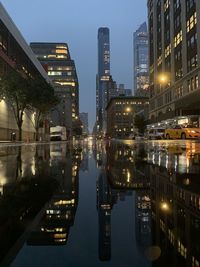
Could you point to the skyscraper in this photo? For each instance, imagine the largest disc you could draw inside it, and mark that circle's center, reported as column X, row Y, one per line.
column 56, row 60
column 104, row 81
column 174, row 59
column 141, row 70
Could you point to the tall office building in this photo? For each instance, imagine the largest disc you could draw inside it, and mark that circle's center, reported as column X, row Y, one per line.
column 105, row 86
column 174, row 47
column 56, row 60
column 141, row 69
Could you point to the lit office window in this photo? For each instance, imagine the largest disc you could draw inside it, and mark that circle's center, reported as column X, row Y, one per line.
column 191, row 22
column 178, row 39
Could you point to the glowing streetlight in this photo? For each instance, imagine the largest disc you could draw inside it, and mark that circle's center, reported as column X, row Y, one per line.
column 128, row 109
column 163, row 78
column 164, row 206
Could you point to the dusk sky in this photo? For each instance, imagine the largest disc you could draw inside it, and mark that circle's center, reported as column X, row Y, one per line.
column 76, row 22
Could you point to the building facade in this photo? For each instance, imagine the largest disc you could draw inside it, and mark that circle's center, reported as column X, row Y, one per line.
column 174, row 58
column 15, row 54
column 105, row 85
column 56, row 60
column 141, row 62
column 120, row 115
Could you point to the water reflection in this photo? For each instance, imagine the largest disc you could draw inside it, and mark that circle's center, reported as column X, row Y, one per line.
column 165, row 180
column 31, row 177
column 175, row 196
column 24, row 190
column 135, row 204
column 59, row 214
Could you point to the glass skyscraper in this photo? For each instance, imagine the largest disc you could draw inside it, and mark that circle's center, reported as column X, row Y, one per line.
column 141, row 70
column 103, row 76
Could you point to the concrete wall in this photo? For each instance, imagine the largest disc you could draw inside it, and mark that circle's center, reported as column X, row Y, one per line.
column 8, row 124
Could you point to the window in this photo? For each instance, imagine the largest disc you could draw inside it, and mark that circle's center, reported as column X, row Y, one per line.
column 168, row 50
column 192, row 62
column 191, row 22
column 166, row 5
column 177, row 4
column 178, row 39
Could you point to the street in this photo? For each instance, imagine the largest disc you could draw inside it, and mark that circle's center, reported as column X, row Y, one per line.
column 119, row 203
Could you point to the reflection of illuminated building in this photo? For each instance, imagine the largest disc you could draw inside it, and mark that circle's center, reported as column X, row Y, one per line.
column 175, row 196
column 104, row 212
column 116, row 180
column 84, row 163
column 59, row 215
column 143, row 219
column 122, row 173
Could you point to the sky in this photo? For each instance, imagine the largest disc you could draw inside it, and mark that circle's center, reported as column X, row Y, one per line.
column 76, row 22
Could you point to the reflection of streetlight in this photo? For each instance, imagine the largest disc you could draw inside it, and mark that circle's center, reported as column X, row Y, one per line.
column 129, row 110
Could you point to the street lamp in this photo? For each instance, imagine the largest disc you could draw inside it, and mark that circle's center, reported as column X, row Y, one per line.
column 164, row 206
column 163, row 78
column 128, row 109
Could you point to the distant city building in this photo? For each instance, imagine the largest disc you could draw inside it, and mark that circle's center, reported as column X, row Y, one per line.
column 122, row 91
column 174, row 47
column 128, row 92
column 141, row 64
column 120, row 115
column 84, row 119
column 105, row 85
column 15, row 54
column 56, row 60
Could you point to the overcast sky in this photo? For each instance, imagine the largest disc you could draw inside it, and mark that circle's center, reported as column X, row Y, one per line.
column 76, row 22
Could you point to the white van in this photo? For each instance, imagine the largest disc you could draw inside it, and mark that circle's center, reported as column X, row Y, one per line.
column 156, row 133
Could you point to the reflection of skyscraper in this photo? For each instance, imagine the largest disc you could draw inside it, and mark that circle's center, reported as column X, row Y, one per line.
column 104, row 212
column 141, row 74
column 59, row 215
column 85, row 161
column 84, row 119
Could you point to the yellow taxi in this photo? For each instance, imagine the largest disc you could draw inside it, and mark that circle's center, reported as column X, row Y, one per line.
column 182, row 132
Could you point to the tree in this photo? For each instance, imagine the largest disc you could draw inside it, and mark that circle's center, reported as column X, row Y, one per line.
column 16, row 91
column 42, row 100
column 139, row 122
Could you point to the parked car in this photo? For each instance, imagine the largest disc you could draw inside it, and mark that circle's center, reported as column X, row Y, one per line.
column 182, row 132
column 156, row 133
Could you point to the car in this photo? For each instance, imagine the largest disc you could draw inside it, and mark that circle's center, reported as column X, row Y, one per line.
column 156, row 133
column 182, row 132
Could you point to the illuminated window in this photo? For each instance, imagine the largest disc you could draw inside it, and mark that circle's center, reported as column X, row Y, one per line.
column 61, row 51
column 167, row 50
column 166, row 5
column 159, row 61
column 191, row 22
column 54, row 73
column 178, row 39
